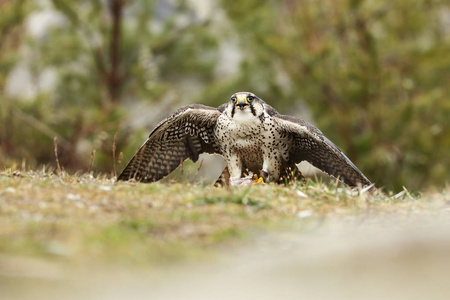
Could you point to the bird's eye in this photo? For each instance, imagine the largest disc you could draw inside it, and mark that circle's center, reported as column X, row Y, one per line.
column 250, row 98
column 233, row 98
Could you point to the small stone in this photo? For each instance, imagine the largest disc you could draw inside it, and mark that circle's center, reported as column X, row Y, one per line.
column 10, row 190
column 73, row 197
column 304, row 214
column 301, row 194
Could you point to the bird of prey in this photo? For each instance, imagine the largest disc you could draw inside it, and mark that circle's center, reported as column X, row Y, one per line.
column 250, row 134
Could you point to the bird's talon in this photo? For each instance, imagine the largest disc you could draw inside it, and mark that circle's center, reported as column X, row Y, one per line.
column 257, row 180
column 264, row 174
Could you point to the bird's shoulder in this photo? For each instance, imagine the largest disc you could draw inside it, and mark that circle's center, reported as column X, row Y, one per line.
column 222, row 107
column 270, row 110
column 198, row 112
column 298, row 125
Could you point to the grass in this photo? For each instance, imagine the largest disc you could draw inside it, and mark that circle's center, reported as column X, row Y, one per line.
column 82, row 219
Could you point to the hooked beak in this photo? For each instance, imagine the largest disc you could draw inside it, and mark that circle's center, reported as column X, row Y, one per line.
column 242, row 104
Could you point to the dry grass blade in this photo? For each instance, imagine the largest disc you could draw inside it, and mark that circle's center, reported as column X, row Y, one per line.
column 200, row 165
column 114, row 154
column 55, row 149
column 91, row 162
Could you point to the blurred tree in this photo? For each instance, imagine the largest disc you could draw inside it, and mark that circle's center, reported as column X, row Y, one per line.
column 12, row 16
column 374, row 73
column 108, row 56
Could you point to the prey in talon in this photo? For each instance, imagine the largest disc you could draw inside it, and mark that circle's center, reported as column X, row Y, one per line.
column 250, row 135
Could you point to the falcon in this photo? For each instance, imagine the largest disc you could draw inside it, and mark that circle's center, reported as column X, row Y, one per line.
column 252, row 137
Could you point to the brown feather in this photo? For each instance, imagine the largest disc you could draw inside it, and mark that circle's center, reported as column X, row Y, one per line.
column 308, row 143
column 185, row 134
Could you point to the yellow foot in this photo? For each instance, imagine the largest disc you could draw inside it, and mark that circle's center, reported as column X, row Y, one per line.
column 257, row 180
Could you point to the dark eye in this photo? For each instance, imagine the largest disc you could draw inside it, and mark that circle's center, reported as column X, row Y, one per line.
column 233, row 98
column 250, row 98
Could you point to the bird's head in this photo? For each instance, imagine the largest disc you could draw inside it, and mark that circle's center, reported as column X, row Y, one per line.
column 244, row 104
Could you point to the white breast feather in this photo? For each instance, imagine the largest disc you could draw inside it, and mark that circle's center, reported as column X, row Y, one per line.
column 245, row 117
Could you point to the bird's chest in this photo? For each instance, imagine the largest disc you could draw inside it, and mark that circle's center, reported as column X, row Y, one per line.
column 243, row 134
column 238, row 135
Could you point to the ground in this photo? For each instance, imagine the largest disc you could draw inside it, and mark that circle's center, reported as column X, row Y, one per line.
column 98, row 239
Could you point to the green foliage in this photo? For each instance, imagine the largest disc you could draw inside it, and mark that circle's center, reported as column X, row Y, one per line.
column 374, row 73
column 235, row 199
column 12, row 16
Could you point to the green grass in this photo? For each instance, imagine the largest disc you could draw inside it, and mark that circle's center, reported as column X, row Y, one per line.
column 84, row 219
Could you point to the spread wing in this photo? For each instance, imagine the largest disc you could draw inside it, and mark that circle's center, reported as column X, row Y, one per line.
column 185, row 134
column 308, row 143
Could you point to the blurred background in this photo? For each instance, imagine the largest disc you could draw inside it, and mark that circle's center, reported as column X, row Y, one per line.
column 374, row 76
